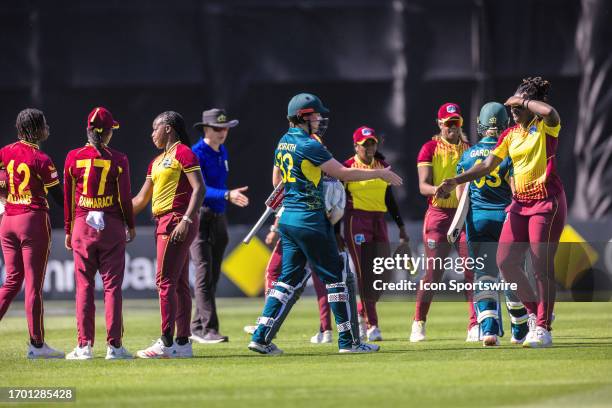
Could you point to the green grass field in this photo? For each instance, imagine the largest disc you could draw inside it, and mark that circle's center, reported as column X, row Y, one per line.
column 443, row 371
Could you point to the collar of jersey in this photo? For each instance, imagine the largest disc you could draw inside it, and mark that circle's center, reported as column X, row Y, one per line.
column 34, row 145
column 443, row 140
column 358, row 160
column 489, row 139
column 295, row 130
column 171, row 148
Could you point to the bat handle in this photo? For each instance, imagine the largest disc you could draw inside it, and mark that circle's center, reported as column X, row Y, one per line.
column 258, row 225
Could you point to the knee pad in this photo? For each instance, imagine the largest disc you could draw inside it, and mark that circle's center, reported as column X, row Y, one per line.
column 518, row 312
column 286, row 295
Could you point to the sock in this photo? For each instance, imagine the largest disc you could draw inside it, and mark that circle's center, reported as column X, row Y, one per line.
column 36, row 344
column 181, row 341
column 167, row 340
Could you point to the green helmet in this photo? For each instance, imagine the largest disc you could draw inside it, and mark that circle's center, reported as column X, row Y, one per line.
column 493, row 116
column 305, row 103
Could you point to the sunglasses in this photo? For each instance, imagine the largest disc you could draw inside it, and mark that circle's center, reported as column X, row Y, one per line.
column 452, row 123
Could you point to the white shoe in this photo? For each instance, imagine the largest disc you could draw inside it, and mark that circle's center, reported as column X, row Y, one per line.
column 363, row 328
column 249, row 329
column 514, row 340
column 538, row 338
column 44, row 352
column 81, row 353
column 473, row 334
column 490, row 340
column 362, row 348
column 157, row 350
column 374, row 334
column 322, row 337
column 184, row 351
column 418, row 331
column 531, row 322
column 117, row 353
column 266, row 349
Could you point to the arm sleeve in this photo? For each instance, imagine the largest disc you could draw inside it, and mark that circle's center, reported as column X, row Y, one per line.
column 48, row 172
column 501, row 149
column 460, row 164
column 188, row 160
column 316, row 153
column 425, row 157
column 68, row 195
column 551, row 130
column 124, row 190
column 392, row 207
column 150, row 170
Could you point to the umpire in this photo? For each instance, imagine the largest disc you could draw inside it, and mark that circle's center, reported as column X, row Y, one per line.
column 209, row 245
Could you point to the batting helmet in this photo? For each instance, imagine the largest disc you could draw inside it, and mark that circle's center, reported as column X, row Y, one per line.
column 305, row 103
column 493, row 116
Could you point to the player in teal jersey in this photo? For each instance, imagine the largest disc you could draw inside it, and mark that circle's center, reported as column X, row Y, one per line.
column 489, row 196
column 306, row 233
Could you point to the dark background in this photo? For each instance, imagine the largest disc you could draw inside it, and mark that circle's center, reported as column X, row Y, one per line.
column 387, row 64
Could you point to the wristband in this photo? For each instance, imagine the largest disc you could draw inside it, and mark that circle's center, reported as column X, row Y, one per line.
column 186, row 218
column 273, row 228
column 226, row 195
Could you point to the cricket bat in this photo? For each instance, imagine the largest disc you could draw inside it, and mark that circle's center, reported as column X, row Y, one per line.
column 273, row 204
column 460, row 214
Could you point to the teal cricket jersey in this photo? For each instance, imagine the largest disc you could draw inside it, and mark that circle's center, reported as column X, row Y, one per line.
column 298, row 156
column 491, row 192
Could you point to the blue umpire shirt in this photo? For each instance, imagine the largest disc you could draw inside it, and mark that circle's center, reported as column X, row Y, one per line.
column 214, row 171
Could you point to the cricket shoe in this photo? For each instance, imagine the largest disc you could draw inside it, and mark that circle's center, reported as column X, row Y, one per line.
column 363, row 328
column 514, row 340
column 265, row 349
column 374, row 334
column 211, row 337
column 473, row 334
column 539, row 338
column 183, row 351
column 322, row 337
column 117, row 353
column 490, row 340
column 43, row 352
column 418, row 331
column 249, row 329
column 81, row 353
column 361, row 349
column 157, row 350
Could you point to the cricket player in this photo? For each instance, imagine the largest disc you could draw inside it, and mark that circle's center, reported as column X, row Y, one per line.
column 489, row 197
column 25, row 233
column 174, row 185
column 97, row 211
column 436, row 161
column 364, row 224
column 306, row 232
column 538, row 209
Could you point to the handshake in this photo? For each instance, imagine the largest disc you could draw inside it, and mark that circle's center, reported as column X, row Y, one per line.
column 445, row 188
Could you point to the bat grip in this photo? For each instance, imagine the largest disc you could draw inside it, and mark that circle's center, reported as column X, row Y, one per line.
column 258, row 225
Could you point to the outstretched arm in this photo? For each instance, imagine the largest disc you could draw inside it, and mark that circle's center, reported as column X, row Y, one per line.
column 335, row 169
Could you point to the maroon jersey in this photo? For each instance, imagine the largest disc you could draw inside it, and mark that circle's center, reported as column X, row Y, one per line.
column 30, row 174
column 97, row 181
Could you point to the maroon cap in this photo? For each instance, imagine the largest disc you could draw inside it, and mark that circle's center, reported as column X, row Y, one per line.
column 449, row 110
column 101, row 119
column 364, row 133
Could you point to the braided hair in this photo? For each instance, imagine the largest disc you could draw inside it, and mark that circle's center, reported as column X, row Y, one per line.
column 175, row 121
column 535, row 87
column 30, row 125
column 96, row 136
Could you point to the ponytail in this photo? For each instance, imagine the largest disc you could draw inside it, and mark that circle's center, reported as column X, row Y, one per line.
column 175, row 121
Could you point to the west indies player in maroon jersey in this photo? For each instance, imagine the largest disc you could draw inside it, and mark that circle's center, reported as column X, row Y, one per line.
column 25, row 233
column 97, row 210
